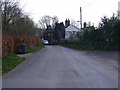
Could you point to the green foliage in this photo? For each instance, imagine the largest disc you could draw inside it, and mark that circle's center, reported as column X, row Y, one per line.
column 10, row 61
column 15, row 22
column 23, row 26
column 34, row 49
column 106, row 35
column 89, row 47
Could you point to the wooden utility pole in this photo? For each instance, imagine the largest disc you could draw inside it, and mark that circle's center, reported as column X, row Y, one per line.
column 81, row 17
column 119, row 10
column 4, row 17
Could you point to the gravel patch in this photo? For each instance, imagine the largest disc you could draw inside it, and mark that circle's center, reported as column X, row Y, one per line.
column 25, row 55
column 109, row 58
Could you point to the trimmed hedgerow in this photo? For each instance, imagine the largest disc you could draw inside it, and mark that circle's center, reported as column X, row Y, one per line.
column 13, row 44
column 7, row 45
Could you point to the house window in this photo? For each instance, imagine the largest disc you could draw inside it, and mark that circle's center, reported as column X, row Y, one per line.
column 48, row 34
column 74, row 32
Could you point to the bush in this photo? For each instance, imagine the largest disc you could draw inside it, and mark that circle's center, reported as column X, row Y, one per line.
column 7, row 45
column 13, row 44
column 30, row 41
column 105, row 37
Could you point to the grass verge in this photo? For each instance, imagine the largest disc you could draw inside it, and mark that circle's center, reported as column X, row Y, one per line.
column 91, row 47
column 10, row 61
column 34, row 49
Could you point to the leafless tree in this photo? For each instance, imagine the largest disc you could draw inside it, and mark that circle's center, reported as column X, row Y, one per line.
column 10, row 11
column 15, row 21
column 54, row 20
column 47, row 20
column 42, row 25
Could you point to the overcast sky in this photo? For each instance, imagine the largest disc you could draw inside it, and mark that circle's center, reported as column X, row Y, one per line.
column 92, row 10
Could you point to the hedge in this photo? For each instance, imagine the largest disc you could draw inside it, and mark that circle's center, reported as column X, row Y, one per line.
column 12, row 44
column 7, row 45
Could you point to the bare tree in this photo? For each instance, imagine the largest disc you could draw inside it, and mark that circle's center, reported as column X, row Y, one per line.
column 10, row 11
column 47, row 20
column 15, row 21
column 41, row 24
column 54, row 20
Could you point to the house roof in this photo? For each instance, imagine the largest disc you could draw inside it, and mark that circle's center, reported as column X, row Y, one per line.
column 72, row 28
column 66, row 26
column 49, row 30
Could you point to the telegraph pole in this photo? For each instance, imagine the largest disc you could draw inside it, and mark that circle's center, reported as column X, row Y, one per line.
column 119, row 10
column 80, row 21
column 81, row 17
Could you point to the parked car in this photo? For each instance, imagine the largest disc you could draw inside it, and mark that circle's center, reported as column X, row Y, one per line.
column 45, row 42
column 53, row 43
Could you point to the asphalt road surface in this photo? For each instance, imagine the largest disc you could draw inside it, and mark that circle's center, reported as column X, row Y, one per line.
column 59, row 67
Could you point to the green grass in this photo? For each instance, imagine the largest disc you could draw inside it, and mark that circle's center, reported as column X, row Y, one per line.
column 90, row 47
column 34, row 49
column 10, row 61
column 78, row 47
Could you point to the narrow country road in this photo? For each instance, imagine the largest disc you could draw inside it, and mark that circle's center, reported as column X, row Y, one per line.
column 59, row 67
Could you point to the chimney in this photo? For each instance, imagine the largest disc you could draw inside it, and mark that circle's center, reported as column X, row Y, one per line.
column 67, row 22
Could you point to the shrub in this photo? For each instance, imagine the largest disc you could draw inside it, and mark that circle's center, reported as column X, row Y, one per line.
column 30, row 41
column 13, row 44
column 7, row 45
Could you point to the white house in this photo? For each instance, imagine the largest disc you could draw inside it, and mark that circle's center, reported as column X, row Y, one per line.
column 70, row 30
